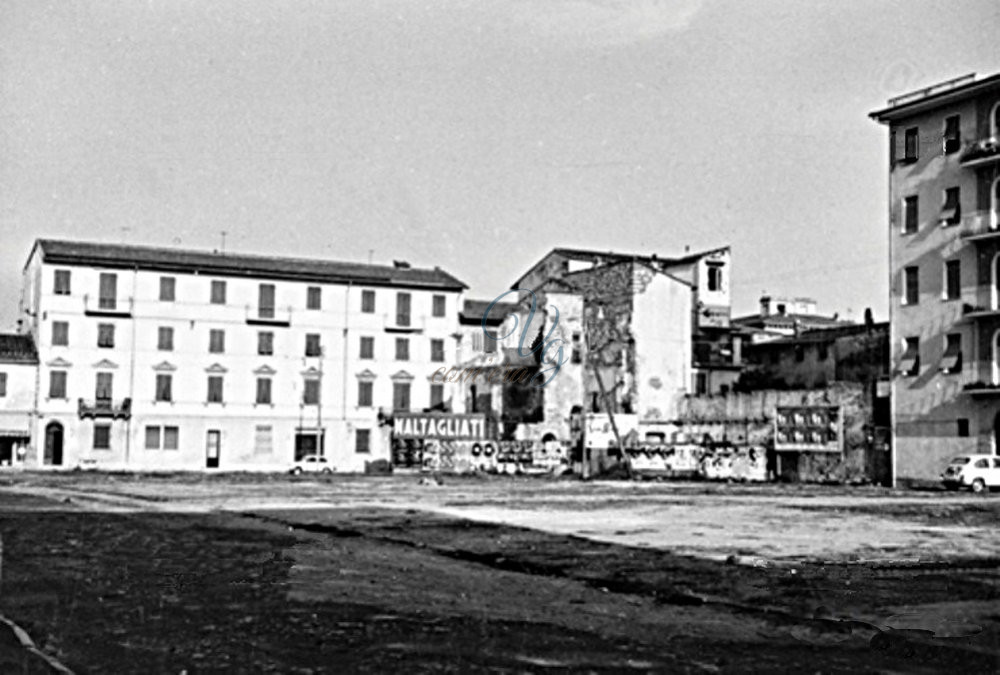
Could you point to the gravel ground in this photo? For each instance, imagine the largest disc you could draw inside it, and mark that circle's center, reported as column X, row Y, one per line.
column 172, row 574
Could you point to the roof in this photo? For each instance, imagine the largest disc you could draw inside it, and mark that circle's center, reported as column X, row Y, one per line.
column 935, row 96
column 826, row 334
column 790, row 320
column 17, row 349
column 241, row 265
column 590, row 255
column 474, row 310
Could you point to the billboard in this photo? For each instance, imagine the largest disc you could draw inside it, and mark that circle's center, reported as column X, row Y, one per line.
column 815, row 428
column 439, row 426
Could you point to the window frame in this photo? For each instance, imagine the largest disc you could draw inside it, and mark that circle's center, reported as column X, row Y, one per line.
column 216, row 394
column 314, row 297
column 911, row 133
column 911, row 214
column 911, row 288
column 952, row 291
column 60, row 338
column 402, row 350
column 164, row 391
column 217, row 292
column 265, row 343
column 369, row 353
column 59, row 288
column 164, row 338
column 366, row 394
column 364, row 448
column 311, row 391
column 952, row 143
column 104, row 436
column 216, row 341
column 61, row 377
column 439, row 305
column 168, row 289
column 105, row 336
column 264, row 391
column 314, row 345
column 367, row 301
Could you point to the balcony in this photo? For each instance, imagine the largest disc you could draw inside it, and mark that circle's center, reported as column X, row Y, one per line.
column 982, row 389
column 395, row 323
column 979, row 311
column 981, row 226
column 980, row 153
column 109, row 307
column 269, row 316
column 105, row 408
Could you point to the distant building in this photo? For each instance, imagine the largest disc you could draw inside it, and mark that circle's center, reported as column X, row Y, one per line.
column 785, row 317
column 944, row 266
column 18, row 370
column 158, row 358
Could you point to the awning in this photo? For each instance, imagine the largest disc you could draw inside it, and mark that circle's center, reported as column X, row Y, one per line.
column 910, row 361
column 951, row 361
column 15, row 425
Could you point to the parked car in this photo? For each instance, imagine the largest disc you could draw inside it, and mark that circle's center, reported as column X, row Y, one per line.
column 311, row 464
column 976, row 472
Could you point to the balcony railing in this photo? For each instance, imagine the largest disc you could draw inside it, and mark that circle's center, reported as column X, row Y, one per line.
column 269, row 316
column 982, row 388
column 979, row 311
column 983, row 151
column 104, row 306
column 105, row 408
column 981, row 225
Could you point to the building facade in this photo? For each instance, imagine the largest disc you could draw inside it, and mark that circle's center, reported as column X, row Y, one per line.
column 944, row 262
column 167, row 359
column 18, row 371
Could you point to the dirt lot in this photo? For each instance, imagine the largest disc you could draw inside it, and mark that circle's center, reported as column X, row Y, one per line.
column 172, row 574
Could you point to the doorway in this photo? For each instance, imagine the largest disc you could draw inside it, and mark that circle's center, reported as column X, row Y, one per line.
column 213, row 447
column 53, row 444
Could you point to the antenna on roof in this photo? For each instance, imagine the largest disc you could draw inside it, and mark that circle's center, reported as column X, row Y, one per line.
column 223, row 249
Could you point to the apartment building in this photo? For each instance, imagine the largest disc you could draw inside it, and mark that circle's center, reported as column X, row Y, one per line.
column 944, row 262
column 157, row 358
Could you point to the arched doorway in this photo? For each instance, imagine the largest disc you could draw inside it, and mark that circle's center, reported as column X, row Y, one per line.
column 53, row 444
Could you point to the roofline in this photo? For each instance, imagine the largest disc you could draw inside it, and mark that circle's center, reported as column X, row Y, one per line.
column 222, row 270
column 933, row 100
column 625, row 257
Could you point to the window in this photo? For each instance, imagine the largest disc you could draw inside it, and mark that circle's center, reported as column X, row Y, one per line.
column 823, row 351
column 367, row 348
column 909, row 364
column 400, row 395
column 310, row 392
column 952, row 135
column 437, row 395
column 107, row 297
column 216, row 341
column 362, row 440
column 313, row 347
column 57, row 384
column 714, row 277
column 577, row 353
column 105, row 335
column 963, row 426
column 951, row 209
column 3, row 384
column 911, row 286
column 402, row 349
column 265, row 343
column 170, row 436
column 218, row 293
column 700, row 384
column 102, row 391
column 368, row 302
column 314, row 297
column 61, row 282
column 911, row 145
column 437, row 351
column 263, row 440
column 364, row 394
column 264, row 390
column 952, row 280
column 102, row 437
column 439, row 305
column 165, row 339
column 478, row 338
column 402, row 309
column 265, row 301
column 911, row 214
column 164, row 387
column 215, row 389
column 951, row 360
column 60, row 333
column 168, row 286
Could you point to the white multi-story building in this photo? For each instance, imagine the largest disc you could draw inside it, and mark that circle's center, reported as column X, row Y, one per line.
column 18, row 369
column 157, row 358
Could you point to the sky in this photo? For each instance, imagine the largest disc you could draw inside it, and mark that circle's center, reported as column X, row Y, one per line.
column 474, row 135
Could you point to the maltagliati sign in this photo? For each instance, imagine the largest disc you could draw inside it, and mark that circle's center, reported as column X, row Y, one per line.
column 439, row 426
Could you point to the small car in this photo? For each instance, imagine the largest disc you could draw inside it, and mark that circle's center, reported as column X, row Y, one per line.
column 311, row 464
column 976, row 472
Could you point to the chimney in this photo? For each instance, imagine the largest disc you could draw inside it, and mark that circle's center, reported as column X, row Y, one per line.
column 765, row 305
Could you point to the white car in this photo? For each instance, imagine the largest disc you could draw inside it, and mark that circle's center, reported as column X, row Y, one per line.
column 311, row 464
column 976, row 472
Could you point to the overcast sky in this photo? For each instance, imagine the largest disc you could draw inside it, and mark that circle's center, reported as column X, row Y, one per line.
column 475, row 135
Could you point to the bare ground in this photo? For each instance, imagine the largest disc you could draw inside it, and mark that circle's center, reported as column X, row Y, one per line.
column 270, row 574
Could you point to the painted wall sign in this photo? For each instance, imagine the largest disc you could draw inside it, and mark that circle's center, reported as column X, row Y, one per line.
column 439, row 426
